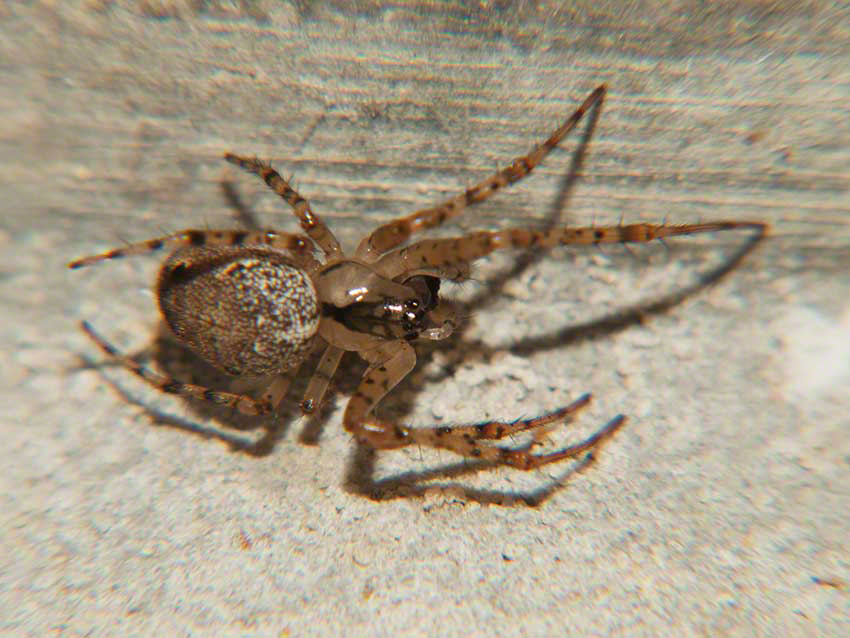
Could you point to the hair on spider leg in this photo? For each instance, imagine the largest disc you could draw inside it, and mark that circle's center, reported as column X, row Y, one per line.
column 630, row 250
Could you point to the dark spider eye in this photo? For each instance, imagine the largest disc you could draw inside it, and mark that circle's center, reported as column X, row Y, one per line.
column 426, row 288
column 411, row 304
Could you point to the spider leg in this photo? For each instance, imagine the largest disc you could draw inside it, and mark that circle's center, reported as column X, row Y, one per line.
column 241, row 402
column 439, row 254
column 398, row 231
column 299, row 246
column 310, row 222
column 278, row 388
column 391, row 362
column 318, row 385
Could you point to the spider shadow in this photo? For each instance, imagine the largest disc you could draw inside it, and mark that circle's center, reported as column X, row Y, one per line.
column 260, row 447
column 183, row 365
column 232, row 427
column 526, row 259
column 360, row 478
column 606, row 325
column 361, row 471
column 180, row 363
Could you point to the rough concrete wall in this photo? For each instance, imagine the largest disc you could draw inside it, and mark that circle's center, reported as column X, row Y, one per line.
column 714, row 511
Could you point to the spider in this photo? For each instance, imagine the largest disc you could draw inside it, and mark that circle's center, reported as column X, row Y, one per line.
column 257, row 302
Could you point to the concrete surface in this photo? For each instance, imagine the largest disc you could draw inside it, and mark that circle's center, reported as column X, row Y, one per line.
column 720, row 509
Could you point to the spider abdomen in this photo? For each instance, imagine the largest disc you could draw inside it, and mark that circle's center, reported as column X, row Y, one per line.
column 246, row 310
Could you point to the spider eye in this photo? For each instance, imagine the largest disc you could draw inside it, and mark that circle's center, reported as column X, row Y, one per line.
column 426, row 288
column 411, row 304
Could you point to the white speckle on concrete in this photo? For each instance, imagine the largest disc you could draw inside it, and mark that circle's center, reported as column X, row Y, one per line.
column 814, row 354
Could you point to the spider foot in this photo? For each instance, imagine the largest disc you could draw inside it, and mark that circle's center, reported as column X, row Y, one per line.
column 521, row 458
column 471, row 440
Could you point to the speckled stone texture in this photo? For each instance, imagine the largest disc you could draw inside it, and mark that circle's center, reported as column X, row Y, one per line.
column 720, row 508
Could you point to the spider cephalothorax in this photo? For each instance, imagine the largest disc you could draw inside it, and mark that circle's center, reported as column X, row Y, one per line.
column 258, row 302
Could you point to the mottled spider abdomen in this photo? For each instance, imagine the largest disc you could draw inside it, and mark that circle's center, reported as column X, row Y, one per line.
column 247, row 310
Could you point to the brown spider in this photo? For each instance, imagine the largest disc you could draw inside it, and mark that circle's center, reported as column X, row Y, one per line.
column 258, row 302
